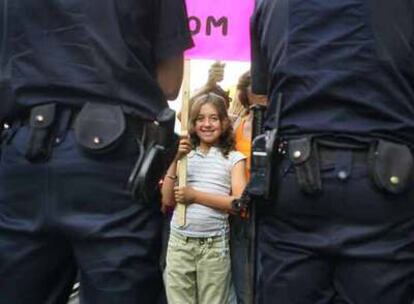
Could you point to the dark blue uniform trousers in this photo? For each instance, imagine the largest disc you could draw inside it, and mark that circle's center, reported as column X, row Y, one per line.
column 75, row 210
column 350, row 244
column 240, row 242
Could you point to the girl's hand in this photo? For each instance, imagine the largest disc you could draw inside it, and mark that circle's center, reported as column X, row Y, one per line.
column 183, row 148
column 184, row 195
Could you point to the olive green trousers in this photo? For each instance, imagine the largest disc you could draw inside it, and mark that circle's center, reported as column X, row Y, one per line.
column 198, row 270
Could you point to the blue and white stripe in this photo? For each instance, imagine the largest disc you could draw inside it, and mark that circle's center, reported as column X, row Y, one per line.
column 208, row 173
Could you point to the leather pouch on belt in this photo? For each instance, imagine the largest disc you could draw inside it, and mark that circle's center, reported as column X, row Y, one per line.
column 391, row 166
column 303, row 153
column 41, row 123
column 99, row 128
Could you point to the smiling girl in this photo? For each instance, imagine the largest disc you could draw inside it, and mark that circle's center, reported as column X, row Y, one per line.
column 198, row 259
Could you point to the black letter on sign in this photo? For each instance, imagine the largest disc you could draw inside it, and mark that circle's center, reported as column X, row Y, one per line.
column 223, row 22
column 197, row 25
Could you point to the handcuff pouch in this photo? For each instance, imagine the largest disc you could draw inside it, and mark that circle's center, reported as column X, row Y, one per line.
column 99, row 127
column 391, row 166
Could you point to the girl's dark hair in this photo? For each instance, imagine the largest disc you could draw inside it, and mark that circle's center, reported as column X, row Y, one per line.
column 226, row 141
column 218, row 90
column 243, row 86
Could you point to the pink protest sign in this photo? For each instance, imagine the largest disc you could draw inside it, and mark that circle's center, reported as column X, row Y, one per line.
column 220, row 29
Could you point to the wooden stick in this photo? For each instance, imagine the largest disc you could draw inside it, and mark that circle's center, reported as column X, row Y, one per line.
column 182, row 166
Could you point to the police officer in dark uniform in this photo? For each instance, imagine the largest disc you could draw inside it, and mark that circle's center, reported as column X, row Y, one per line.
column 80, row 81
column 339, row 228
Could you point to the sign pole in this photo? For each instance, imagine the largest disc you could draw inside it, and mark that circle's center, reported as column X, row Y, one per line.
column 182, row 166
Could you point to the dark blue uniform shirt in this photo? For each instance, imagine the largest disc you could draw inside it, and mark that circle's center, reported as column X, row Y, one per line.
column 343, row 66
column 87, row 50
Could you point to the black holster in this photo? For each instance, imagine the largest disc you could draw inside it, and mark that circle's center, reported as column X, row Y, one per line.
column 266, row 157
column 391, row 166
column 303, row 153
column 155, row 158
column 258, row 171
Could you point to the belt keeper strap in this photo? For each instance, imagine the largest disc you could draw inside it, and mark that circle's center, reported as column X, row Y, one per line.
column 303, row 153
column 41, row 122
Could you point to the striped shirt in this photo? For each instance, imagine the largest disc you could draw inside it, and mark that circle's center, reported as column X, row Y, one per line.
column 209, row 173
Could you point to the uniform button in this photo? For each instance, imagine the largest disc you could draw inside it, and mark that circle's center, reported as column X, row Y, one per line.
column 96, row 140
column 342, row 175
column 394, row 180
column 297, row 154
column 40, row 118
column 6, row 126
column 58, row 140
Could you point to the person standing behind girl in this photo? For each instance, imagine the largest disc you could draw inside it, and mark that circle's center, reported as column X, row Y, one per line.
column 241, row 228
column 198, row 256
column 245, row 99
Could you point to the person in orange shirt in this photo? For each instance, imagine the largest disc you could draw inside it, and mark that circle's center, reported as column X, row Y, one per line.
column 240, row 227
column 243, row 124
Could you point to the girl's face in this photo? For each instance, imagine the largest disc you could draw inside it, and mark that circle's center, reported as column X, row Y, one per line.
column 208, row 126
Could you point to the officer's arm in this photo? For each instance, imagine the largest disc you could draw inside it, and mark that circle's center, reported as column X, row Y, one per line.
column 259, row 64
column 170, row 76
column 171, row 38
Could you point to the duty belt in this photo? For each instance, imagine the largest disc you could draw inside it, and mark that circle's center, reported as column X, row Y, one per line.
column 390, row 165
column 96, row 127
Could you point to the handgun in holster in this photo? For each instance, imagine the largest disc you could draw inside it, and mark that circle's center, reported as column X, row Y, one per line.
column 155, row 158
column 258, row 164
column 257, row 186
column 265, row 158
